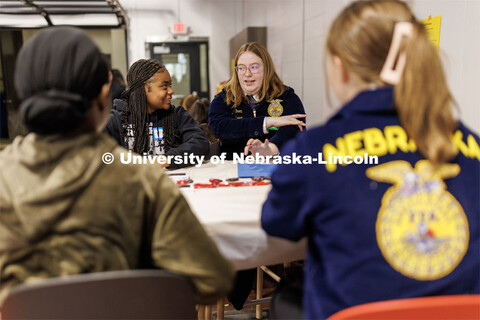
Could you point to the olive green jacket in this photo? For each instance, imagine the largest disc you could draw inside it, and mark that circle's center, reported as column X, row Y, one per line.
column 63, row 212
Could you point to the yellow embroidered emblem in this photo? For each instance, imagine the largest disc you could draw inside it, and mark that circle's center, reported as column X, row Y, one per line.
column 421, row 229
column 237, row 113
column 275, row 109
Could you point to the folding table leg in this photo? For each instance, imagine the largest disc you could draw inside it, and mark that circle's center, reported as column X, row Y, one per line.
column 208, row 312
column 201, row 312
column 220, row 309
column 258, row 307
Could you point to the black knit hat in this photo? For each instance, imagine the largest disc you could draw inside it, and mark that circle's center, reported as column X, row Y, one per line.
column 57, row 74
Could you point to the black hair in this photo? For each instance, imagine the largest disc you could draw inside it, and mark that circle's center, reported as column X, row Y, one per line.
column 57, row 75
column 136, row 109
column 118, row 84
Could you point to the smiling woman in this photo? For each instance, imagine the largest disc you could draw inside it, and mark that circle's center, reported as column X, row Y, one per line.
column 159, row 91
column 250, row 73
column 147, row 123
column 255, row 106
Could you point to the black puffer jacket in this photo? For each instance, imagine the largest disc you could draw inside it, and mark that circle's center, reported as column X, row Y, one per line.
column 192, row 139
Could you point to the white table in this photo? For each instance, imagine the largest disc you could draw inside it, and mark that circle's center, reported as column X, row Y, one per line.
column 231, row 216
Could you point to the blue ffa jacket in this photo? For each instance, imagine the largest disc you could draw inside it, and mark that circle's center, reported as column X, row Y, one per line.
column 235, row 126
column 390, row 230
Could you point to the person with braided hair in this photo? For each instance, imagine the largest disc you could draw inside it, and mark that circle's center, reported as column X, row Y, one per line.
column 145, row 122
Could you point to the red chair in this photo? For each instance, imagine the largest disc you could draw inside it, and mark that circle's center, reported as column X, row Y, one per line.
column 456, row 307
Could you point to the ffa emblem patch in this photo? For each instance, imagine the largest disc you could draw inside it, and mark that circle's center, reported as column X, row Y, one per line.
column 275, row 109
column 421, row 229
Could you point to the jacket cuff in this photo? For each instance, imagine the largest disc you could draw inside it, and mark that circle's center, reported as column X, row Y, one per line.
column 256, row 127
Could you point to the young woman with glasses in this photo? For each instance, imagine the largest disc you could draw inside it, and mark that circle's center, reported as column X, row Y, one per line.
column 255, row 112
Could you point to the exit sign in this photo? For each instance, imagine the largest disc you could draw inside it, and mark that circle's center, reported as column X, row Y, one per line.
column 179, row 28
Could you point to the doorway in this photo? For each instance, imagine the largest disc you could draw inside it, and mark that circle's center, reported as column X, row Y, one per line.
column 10, row 125
column 187, row 63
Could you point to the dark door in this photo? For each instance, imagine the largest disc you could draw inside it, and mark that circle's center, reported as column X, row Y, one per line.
column 10, row 125
column 187, row 63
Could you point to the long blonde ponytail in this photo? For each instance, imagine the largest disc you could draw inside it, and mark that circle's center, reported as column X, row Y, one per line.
column 423, row 100
column 361, row 36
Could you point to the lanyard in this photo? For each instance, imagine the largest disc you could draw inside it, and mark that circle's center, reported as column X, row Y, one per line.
column 253, row 105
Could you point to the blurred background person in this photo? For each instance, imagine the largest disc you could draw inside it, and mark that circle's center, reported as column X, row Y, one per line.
column 188, row 101
column 118, row 84
column 199, row 112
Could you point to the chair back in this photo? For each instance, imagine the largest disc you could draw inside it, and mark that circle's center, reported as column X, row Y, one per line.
column 458, row 307
column 132, row 294
column 214, row 149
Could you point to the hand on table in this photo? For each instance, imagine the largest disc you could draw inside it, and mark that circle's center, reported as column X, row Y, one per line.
column 162, row 163
column 262, row 148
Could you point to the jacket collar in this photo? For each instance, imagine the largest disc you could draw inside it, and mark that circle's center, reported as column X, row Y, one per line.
column 376, row 100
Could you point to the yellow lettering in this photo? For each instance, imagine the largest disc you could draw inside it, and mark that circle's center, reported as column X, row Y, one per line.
column 374, row 142
column 338, row 150
column 459, row 144
column 396, row 138
column 412, row 146
column 353, row 143
column 473, row 147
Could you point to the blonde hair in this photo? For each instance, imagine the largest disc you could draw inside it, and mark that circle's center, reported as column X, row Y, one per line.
column 272, row 85
column 361, row 35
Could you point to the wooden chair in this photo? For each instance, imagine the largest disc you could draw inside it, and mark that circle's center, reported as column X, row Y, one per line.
column 259, row 292
column 458, row 307
column 205, row 312
column 133, row 294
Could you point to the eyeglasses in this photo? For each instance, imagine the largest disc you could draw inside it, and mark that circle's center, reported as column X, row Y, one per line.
column 254, row 68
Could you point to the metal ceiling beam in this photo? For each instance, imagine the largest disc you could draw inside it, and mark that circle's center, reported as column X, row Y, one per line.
column 46, row 8
column 40, row 10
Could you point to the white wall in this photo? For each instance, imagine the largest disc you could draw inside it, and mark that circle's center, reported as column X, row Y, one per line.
column 297, row 31
column 309, row 20
column 219, row 20
column 296, row 34
column 460, row 51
